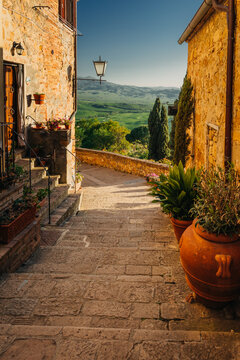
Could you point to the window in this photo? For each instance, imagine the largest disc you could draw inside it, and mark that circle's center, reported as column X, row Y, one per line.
column 67, row 12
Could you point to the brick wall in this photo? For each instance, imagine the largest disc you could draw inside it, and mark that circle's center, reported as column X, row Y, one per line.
column 120, row 162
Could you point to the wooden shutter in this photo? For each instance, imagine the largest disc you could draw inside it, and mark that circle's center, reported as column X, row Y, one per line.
column 62, row 9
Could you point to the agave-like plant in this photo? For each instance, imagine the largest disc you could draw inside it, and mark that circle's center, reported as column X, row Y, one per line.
column 176, row 192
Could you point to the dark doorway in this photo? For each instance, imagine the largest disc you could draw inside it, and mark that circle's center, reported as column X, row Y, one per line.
column 13, row 101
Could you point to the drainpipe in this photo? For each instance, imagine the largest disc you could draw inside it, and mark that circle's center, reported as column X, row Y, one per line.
column 230, row 9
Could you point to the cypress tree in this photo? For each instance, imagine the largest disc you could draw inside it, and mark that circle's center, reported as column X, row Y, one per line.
column 163, row 135
column 153, row 127
column 183, row 123
column 172, row 133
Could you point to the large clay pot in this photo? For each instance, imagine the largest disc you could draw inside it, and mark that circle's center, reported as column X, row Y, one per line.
column 211, row 264
column 179, row 226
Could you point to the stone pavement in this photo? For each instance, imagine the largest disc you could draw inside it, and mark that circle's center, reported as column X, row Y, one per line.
column 111, row 287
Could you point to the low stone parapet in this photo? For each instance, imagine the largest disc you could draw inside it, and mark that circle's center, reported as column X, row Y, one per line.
column 120, row 162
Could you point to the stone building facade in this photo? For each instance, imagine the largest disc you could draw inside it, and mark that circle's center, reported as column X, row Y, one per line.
column 207, row 39
column 47, row 64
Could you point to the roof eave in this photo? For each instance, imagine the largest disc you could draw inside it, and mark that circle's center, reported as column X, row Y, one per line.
column 202, row 11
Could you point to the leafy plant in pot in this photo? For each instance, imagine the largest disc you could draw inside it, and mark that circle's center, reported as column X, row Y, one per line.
column 210, row 247
column 176, row 193
column 17, row 216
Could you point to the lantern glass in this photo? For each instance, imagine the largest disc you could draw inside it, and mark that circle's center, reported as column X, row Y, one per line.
column 19, row 49
column 100, row 66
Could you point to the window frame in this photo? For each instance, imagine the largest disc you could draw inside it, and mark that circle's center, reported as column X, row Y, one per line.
column 67, row 12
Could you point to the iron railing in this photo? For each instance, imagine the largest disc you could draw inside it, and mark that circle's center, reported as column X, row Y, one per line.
column 8, row 160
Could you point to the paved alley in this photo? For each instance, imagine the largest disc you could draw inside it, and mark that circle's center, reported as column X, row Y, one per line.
column 110, row 286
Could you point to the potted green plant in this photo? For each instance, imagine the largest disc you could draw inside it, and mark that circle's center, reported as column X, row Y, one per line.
column 176, row 193
column 66, row 123
column 210, row 247
column 17, row 216
column 39, row 98
column 39, row 125
column 78, row 179
column 41, row 196
column 53, row 124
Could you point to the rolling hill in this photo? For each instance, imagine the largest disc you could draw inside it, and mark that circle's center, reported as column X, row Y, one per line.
column 129, row 105
column 114, row 93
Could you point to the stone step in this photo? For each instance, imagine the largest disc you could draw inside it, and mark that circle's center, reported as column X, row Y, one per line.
column 60, row 342
column 68, row 207
column 58, row 195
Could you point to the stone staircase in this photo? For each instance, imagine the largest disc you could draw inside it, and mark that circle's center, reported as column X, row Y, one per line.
column 111, row 288
column 61, row 201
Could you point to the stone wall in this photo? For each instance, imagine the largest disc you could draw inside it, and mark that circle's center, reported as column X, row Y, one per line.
column 207, row 65
column 236, row 91
column 207, row 68
column 1, row 68
column 18, row 251
column 120, row 163
column 48, row 59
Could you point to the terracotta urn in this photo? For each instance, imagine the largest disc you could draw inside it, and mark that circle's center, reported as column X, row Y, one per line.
column 211, row 264
column 179, row 226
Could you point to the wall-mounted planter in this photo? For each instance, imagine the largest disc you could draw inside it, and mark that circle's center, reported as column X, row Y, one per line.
column 39, row 98
column 8, row 232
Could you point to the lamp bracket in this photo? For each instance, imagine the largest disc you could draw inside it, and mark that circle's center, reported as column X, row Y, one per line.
column 41, row 7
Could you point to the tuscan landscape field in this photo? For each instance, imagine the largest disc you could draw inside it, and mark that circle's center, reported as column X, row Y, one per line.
column 129, row 105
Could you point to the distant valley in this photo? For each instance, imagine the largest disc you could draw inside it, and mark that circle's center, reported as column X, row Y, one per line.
column 129, row 105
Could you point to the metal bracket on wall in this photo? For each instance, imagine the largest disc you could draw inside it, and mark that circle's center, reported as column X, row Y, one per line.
column 41, row 7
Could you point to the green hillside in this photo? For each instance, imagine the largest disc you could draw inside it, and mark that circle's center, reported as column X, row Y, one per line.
column 129, row 105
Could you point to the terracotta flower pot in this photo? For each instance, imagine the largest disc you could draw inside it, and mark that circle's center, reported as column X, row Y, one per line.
column 211, row 264
column 39, row 98
column 8, row 232
column 179, row 226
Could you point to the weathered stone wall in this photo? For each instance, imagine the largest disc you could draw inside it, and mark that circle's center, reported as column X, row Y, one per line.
column 207, row 66
column 236, row 102
column 1, row 68
column 120, row 163
column 18, row 251
column 48, row 58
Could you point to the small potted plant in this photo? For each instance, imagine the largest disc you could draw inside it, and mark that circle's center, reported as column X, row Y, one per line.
column 53, row 124
column 66, row 123
column 78, row 179
column 41, row 196
column 39, row 98
column 176, row 193
column 39, row 125
column 210, row 247
column 16, row 217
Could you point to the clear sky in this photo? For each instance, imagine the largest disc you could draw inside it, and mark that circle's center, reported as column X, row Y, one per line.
column 138, row 38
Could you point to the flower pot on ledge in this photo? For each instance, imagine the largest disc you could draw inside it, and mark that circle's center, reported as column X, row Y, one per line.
column 10, row 231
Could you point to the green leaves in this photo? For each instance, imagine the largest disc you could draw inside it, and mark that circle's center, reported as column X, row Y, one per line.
column 217, row 205
column 176, row 192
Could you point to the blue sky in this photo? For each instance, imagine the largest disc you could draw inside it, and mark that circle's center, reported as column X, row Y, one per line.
column 138, row 38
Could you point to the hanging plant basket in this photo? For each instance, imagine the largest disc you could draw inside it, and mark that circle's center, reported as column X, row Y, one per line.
column 8, row 232
column 39, row 98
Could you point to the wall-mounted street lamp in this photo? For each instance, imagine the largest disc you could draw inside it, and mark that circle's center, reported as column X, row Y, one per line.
column 18, row 47
column 100, row 67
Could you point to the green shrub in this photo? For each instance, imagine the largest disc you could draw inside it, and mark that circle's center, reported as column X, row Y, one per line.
column 217, row 206
column 176, row 192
